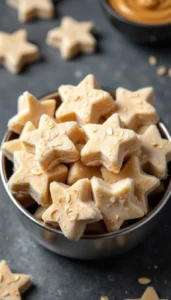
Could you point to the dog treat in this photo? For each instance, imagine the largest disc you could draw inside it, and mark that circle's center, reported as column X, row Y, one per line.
column 109, row 144
column 31, row 179
column 10, row 147
column 134, row 108
column 25, row 200
column 39, row 213
column 149, row 294
column 78, row 171
column 144, row 183
column 116, row 202
column 141, row 129
column 29, row 10
column 155, row 152
column 83, row 104
column 12, row 285
column 30, row 109
column 72, row 208
column 16, row 51
column 89, row 82
column 51, row 142
column 72, row 37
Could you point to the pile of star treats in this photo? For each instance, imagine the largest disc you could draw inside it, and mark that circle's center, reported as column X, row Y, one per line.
column 90, row 165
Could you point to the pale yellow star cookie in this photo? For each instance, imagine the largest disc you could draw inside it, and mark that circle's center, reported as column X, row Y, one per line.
column 109, row 144
column 116, row 202
column 83, row 104
column 144, row 183
column 149, row 294
column 8, row 148
column 52, row 142
column 16, row 51
column 155, row 152
column 30, row 109
column 134, row 108
column 72, row 37
column 12, row 285
column 89, row 82
column 73, row 208
column 29, row 178
column 31, row 9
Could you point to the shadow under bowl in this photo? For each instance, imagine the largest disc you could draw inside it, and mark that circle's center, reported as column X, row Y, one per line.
column 94, row 246
column 138, row 32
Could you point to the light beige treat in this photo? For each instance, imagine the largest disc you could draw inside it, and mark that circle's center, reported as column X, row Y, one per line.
column 155, row 152
column 73, row 208
column 51, row 142
column 149, row 294
column 144, row 280
column 161, row 71
column 31, row 9
column 72, row 37
column 78, row 171
column 30, row 109
column 39, row 213
column 83, row 104
column 144, row 183
column 152, row 60
column 141, row 129
column 31, row 179
column 16, row 51
column 134, row 108
column 109, row 144
column 116, row 202
column 8, row 148
column 12, row 285
column 89, row 82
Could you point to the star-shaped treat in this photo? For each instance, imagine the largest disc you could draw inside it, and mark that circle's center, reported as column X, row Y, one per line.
column 73, row 208
column 89, row 82
column 12, row 285
column 144, row 183
column 116, row 202
column 135, row 108
column 78, row 170
column 30, row 179
column 16, row 51
column 8, row 148
column 108, row 144
column 52, row 143
column 30, row 109
column 31, row 9
column 149, row 294
column 83, row 104
column 155, row 152
column 72, row 37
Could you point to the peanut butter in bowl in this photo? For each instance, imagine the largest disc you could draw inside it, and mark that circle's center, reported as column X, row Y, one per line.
column 143, row 11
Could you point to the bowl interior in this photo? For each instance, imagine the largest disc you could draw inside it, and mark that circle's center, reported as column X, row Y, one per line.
column 156, row 202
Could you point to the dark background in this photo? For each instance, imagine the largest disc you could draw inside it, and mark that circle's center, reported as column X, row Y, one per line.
column 118, row 62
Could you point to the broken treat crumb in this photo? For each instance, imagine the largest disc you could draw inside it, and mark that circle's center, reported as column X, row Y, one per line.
column 155, row 267
column 169, row 72
column 104, row 298
column 161, row 71
column 144, row 280
column 152, row 60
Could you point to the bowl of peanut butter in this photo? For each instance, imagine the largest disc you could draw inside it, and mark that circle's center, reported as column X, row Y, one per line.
column 141, row 20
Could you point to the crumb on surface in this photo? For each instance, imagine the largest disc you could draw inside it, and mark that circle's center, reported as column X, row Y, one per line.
column 161, row 71
column 144, row 280
column 155, row 267
column 169, row 72
column 104, row 298
column 152, row 60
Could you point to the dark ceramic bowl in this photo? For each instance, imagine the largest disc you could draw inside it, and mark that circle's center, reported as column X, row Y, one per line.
column 144, row 33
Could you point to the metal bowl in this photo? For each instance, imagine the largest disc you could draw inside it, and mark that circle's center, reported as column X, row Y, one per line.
column 89, row 246
column 138, row 32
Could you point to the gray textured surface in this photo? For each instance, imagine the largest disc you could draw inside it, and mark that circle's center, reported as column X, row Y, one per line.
column 118, row 62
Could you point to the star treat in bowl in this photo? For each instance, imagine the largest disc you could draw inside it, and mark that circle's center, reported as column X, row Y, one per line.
column 91, row 165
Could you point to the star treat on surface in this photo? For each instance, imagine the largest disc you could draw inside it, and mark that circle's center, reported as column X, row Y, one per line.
column 30, row 179
column 12, row 285
column 144, row 183
column 16, row 51
column 52, row 143
column 134, row 108
column 31, row 9
column 83, row 104
column 149, row 294
column 73, row 208
column 9, row 147
column 155, row 152
column 30, row 109
column 108, row 144
column 72, row 37
column 116, row 202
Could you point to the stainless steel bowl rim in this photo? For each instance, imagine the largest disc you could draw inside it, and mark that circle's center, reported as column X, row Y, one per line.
column 129, row 22
column 120, row 232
